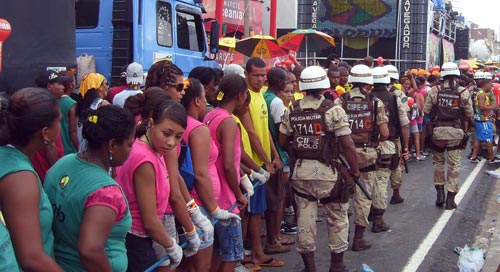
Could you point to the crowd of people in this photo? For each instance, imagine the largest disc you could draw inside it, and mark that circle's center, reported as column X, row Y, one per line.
column 117, row 179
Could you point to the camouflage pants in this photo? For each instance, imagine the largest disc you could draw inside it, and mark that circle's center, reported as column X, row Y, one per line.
column 335, row 215
column 395, row 176
column 379, row 194
column 449, row 177
column 361, row 204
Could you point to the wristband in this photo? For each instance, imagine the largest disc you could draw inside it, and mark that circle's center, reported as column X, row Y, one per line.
column 191, row 232
column 192, row 207
column 214, row 210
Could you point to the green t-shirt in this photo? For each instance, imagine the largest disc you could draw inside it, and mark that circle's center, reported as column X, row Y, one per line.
column 269, row 96
column 17, row 162
column 68, row 184
column 65, row 104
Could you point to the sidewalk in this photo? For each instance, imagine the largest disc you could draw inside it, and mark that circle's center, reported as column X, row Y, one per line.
column 493, row 211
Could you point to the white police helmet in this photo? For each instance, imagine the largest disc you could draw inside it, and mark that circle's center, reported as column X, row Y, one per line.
column 449, row 69
column 361, row 74
column 381, row 75
column 393, row 71
column 479, row 75
column 313, row 77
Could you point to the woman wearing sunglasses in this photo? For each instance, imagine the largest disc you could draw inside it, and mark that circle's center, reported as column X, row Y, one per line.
column 168, row 76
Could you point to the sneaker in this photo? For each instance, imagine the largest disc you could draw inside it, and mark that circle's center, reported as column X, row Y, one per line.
column 495, row 160
column 475, row 160
column 421, row 158
column 425, row 153
column 494, row 173
column 288, row 228
column 289, row 211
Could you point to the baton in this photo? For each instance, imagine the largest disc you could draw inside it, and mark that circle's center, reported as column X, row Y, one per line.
column 356, row 179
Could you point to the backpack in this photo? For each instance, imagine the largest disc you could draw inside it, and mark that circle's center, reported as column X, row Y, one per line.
column 186, row 165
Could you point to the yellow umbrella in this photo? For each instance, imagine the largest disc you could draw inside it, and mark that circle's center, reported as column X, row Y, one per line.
column 227, row 44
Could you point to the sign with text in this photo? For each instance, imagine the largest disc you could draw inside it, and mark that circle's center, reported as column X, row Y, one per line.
column 233, row 13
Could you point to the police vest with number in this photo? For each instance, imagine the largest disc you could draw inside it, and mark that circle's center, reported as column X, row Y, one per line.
column 448, row 111
column 361, row 119
column 310, row 133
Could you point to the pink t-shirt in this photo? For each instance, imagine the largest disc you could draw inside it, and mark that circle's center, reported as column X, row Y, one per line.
column 212, row 169
column 111, row 197
column 213, row 120
column 141, row 153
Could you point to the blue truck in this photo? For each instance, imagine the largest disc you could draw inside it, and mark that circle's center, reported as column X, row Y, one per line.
column 118, row 32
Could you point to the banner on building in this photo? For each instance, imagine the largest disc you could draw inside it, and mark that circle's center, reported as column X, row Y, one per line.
column 356, row 18
column 448, row 51
column 233, row 13
column 434, row 50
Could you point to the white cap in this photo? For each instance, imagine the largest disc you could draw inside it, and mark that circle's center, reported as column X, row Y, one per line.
column 233, row 68
column 380, row 75
column 488, row 75
column 479, row 75
column 313, row 77
column 393, row 71
column 135, row 74
column 360, row 74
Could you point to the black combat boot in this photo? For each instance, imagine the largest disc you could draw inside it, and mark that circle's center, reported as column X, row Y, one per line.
column 359, row 243
column 371, row 215
column 440, row 195
column 308, row 259
column 379, row 225
column 396, row 197
column 337, row 262
column 450, row 201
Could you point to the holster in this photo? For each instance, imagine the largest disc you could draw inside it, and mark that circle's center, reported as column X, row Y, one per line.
column 395, row 161
column 345, row 185
column 465, row 141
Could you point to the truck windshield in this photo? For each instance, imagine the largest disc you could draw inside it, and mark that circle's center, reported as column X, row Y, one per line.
column 87, row 13
column 164, row 23
column 189, row 31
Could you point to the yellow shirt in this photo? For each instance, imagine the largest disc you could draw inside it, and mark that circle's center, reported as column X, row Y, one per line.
column 339, row 90
column 398, row 86
column 259, row 114
column 297, row 96
column 244, row 136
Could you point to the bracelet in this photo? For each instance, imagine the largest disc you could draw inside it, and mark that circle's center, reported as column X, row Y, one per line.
column 191, row 232
column 214, row 210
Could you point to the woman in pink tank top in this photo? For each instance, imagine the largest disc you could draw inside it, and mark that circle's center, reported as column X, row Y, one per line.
column 223, row 129
column 144, row 180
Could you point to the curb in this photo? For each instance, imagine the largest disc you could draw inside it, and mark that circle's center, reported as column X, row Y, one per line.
column 493, row 256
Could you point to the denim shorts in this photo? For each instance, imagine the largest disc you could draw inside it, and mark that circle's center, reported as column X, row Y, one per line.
column 257, row 203
column 210, row 239
column 168, row 221
column 228, row 242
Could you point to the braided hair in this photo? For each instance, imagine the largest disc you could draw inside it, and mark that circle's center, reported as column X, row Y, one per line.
column 162, row 74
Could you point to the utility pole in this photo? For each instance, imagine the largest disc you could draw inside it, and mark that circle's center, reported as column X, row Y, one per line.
column 247, row 19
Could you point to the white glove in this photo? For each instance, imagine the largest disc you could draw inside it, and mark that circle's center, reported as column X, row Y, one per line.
column 193, row 243
column 266, row 174
column 175, row 253
column 255, row 176
column 227, row 217
column 247, row 185
column 202, row 223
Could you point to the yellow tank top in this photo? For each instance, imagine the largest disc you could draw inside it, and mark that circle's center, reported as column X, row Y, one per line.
column 244, row 136
column 258, row 113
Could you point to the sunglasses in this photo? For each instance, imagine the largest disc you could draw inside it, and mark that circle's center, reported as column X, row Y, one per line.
column 178, row 87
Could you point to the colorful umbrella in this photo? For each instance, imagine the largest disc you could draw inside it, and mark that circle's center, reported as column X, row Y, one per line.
column 227, row 44
column 306, row 40
column 260, row 46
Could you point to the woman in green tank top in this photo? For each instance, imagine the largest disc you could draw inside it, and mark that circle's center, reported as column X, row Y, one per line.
column 30, row 122
column 92, row 216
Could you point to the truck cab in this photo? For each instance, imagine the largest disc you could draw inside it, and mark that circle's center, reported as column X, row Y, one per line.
column 119, row 32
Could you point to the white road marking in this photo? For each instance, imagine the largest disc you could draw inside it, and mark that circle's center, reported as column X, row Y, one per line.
column 423, row 249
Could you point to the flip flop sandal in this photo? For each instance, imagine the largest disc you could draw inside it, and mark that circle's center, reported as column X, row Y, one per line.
column 272, row 262
column 285, row 241
column 250, row 265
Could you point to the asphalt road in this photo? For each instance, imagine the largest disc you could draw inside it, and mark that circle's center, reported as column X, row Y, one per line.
column 411, row 222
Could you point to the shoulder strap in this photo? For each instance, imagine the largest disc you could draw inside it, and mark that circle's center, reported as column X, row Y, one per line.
column 295, row 106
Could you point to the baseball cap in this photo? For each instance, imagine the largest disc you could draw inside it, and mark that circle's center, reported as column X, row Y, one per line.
column 234, row 69
column 135, row 74
column 49, row 76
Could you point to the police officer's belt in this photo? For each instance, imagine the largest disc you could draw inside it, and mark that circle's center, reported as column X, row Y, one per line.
column 311, row 198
